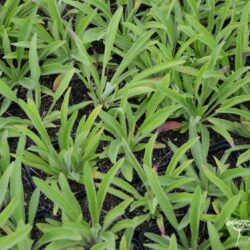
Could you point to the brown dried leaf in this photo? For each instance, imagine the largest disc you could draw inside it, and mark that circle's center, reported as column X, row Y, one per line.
column 56, row 82
column 246, row 126
column 215, row 207
column 159, row 145
column 96, row 174
column 137, row 4
column 155, row 167
column 169, row 125
column 158, row 79
column 161, row 226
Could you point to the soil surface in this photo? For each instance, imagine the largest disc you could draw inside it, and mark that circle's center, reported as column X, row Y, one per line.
column 79, row 93
column 160, row 156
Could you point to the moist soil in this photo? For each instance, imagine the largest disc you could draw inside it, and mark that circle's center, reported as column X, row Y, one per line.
column 79, row 94
column 158, row 157
column 175, row 136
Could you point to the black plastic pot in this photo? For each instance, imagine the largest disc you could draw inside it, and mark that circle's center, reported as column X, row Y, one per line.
column 248, row 60
column 43, row 213
column 29, row 176
column 136, row 244
column 139, row 235
column 223, row 145
column 43, row 201
column 44, row 205
column 162, row 165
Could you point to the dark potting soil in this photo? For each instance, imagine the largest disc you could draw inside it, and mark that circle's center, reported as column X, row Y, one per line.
column 78, row 94
column 110, row 202
column 141, row 238
column 217, row 150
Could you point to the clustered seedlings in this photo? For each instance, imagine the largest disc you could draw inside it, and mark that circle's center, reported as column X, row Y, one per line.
column 124, row 124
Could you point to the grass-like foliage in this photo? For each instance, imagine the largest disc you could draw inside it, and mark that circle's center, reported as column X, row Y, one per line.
column 71, row 150
column 124, row 124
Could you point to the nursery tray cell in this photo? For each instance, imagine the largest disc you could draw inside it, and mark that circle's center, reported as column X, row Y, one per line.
column 215, row 149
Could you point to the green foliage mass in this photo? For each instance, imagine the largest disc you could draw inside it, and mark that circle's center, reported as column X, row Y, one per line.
column 92, row 92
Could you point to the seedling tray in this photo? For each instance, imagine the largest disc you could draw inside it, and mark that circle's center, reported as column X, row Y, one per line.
column 141, row 238
column 43, row 203
column 139, row 235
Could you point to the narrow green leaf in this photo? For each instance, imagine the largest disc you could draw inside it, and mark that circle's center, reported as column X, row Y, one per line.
column 4, row 181
column 214, row 237
column 162, row 198
column 6, row 91
column 7, row 212
column 103, row 189
column 35, row 68
column 227, row 210
column 91, row 193
column 194, row 216
column 218, row 182
column 12, row 239
column 179, row 154
column 110, row 37
column 33, row 205
column 32, row 112
column 133, row 161
column 64, row 83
